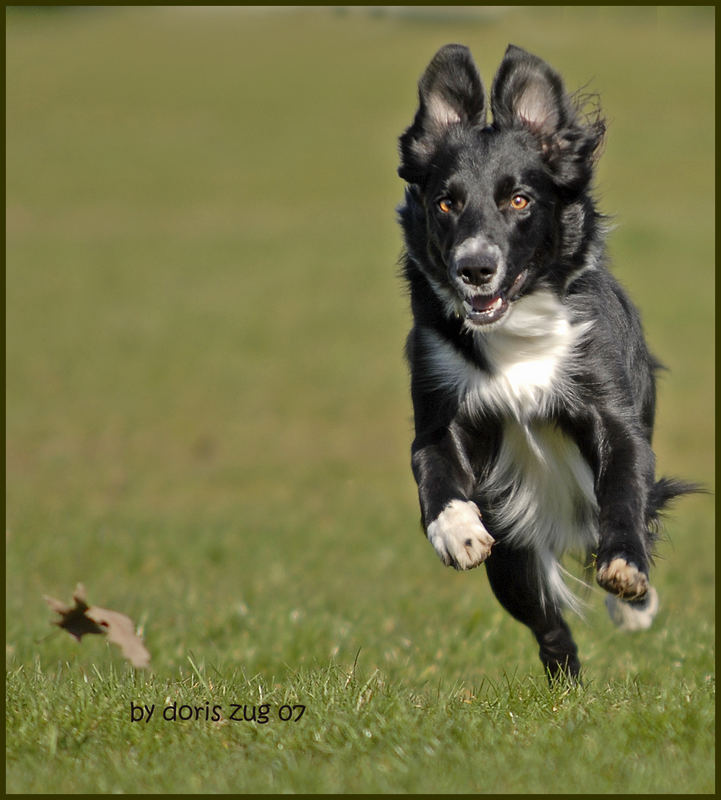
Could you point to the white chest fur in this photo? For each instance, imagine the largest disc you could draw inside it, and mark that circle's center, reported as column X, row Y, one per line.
column 540, row 487
column 525, row 354
column 541, row 493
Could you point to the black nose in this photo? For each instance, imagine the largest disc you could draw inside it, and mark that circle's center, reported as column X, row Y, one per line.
column 478, row 270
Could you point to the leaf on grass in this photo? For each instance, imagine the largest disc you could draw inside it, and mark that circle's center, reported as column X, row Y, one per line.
column 81, row 618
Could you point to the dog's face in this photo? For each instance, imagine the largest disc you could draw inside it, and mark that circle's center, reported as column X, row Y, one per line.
column 489, row 197
column 489, row 220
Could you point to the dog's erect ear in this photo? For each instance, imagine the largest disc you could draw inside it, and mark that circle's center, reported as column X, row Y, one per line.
column 527, row 93
column 449, row 93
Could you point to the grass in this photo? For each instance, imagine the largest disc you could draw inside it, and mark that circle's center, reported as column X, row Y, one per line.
column 208, row 419
column 358, row 732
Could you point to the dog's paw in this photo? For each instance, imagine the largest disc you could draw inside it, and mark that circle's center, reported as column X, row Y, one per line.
column 459, row 536
column 635, row 615
column 622, row 579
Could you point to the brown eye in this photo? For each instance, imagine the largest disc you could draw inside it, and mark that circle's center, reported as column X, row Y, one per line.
column 445, row 205
column 519, row 202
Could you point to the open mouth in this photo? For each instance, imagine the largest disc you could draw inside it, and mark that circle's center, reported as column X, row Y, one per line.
column 483, row 309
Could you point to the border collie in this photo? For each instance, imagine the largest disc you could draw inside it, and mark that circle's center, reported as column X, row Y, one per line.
column 532, row 386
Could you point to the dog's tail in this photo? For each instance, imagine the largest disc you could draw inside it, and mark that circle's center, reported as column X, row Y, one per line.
column 663, row 492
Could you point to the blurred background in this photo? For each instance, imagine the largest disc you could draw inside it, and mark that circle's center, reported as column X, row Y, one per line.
column 208, row 420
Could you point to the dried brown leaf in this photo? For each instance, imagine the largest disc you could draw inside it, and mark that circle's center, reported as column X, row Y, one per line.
column 81, row 618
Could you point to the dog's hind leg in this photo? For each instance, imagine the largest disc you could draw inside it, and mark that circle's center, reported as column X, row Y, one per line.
column 633, row 615
column 515, row 580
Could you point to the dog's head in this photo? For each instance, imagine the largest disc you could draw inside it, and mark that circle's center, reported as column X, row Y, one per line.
column 491, row 200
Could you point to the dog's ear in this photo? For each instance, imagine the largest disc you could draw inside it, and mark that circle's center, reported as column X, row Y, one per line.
column 449, row 93
column 527, row 93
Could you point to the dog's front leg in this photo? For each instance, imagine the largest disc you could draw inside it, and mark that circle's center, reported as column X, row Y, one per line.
column 451, row 520
column 622, row 561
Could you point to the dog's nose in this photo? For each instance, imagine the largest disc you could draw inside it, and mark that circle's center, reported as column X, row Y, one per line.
column 477, row 271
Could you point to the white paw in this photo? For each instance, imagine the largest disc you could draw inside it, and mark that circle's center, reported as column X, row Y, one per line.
column 633, row 616
column 622, row 579
column 459, row 536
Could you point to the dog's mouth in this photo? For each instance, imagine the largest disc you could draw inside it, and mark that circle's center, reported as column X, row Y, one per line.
column 483, row 309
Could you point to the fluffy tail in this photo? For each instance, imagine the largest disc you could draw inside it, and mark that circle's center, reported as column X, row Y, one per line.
column 664, row 491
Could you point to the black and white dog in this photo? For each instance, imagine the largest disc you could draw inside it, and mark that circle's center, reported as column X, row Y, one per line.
column 532, row 387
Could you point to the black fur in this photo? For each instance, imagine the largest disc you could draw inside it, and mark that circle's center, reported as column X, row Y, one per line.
column 532, row 386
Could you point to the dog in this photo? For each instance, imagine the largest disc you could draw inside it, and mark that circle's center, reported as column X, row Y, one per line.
column 532, row 385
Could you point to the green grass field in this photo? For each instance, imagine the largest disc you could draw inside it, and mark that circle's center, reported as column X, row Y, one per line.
column 208, row 420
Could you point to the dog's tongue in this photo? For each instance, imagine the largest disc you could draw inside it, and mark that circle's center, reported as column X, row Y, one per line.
column 480, row 303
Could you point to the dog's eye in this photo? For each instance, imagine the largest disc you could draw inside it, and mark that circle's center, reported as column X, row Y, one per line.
column 519, row 202
column 445, row 204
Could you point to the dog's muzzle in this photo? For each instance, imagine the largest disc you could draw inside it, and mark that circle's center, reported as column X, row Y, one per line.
column 483, row 308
